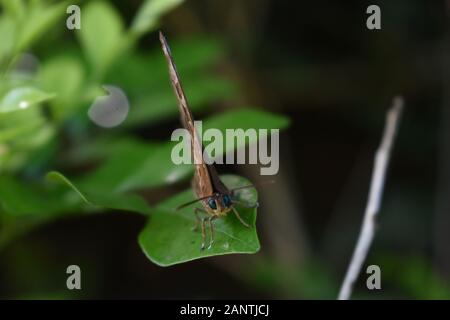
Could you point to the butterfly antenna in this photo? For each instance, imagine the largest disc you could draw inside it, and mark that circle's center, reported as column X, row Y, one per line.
column 192, row 202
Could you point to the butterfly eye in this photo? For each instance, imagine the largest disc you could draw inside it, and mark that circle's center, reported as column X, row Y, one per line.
column 226, row 200
column 212, row 203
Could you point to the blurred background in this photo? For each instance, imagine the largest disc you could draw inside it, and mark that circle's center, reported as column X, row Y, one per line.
column 314, row 62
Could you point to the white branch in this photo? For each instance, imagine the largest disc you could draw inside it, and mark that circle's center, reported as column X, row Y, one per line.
column 375, row 195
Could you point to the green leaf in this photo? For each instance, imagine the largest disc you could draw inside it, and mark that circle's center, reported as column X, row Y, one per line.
column 24, row 133
column 168, row 239
column 161, row 105
column 245, row 119
column 11, row 132
column 26, row 204
column 90, row 150
column 145, row 78
column 14, row 8
column 103, row 199
column 149, row 13
column 64, row 76
column 8, row 36
column 23, row 98
column 135, row 165
column 101, row 34
column 19, row 198
column 143, row 165
column 39, row 20
column 148, row 71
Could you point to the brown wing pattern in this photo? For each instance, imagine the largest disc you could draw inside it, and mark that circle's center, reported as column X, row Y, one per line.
column 202, row 180
column 218, row 185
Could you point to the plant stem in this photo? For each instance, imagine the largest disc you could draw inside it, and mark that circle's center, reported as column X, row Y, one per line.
column 375, row 195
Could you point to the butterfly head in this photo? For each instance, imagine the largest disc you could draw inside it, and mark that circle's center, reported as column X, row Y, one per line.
column 219, row 204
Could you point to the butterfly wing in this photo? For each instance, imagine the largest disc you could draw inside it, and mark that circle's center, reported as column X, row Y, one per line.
column 218, row 185
column 202, row 183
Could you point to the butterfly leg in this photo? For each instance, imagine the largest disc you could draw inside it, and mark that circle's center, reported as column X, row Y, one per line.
column 203, row 234
column 240, row 219
column 211, row 229
column 198, row 220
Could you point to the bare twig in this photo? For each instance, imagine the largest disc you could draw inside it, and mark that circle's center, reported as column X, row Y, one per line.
column 375, row 195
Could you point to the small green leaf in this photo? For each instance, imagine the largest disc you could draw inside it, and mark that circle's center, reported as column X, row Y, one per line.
column 149, row 13
column 23, row 98
column 103, row 199
column 58, row 177
column 168, row 238
column 101, row 34
column 23, row 133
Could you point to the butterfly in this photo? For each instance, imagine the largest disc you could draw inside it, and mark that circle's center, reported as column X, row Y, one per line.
column 216, row 199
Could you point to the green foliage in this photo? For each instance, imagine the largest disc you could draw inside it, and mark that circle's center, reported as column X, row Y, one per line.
column 103, row 199
column 22, row 98
column 414, row 275
column 44, row 125
column 36, row 21
column 137, row 165
column 310, row 280
column 39, row 200
column 50, row 74
column 142, row 165
column 168, row 238
column 102, row 35
column 148, row 15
